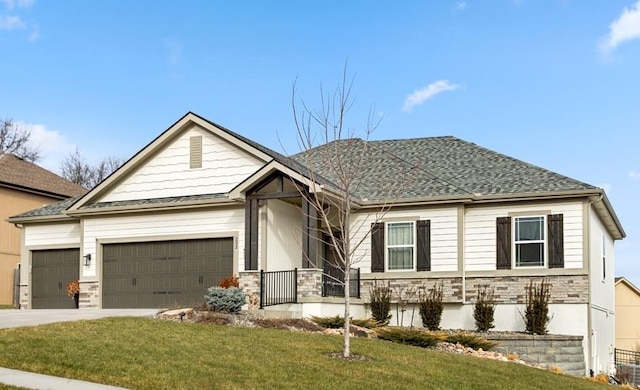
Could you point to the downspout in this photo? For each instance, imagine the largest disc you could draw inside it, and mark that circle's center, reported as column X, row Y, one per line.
column 461, row 257
column 587, row 264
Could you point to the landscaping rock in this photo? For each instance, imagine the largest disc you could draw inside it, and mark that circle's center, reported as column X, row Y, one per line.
column 177, row 314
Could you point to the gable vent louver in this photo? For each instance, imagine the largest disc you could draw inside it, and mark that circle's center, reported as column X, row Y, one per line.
column 195, row 152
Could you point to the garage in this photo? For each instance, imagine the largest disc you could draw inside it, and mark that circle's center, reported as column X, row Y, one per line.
column 51, row 270
column 163, row 273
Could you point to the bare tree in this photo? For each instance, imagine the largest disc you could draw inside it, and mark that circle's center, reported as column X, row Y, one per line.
column 75, row 168
column 335, row 159
column 16, row 140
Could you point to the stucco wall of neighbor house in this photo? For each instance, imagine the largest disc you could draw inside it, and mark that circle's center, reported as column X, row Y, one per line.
column 444, row 235
column 480, row 231
column 602, row 338
column 169, row 174
column 627, row 318
column 13, row 202
column 282, row 237
column 212, row 223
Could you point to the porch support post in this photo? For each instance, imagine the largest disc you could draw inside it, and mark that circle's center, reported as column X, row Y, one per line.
column 309, row 234
column 251, row 234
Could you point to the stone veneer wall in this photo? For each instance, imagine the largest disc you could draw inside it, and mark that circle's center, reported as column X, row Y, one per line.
column 508, row 289
column 24, row 296
column 89, row 295
column 565, row 352
column 309, row 283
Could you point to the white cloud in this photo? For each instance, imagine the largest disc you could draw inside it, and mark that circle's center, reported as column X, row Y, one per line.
column 11, row 4
column 53, row 146
column 461, row 5
column 35, row 34
column 422, row 95
column 11, row 22
column 175, row 51
column 625, row 28
column 634, row 175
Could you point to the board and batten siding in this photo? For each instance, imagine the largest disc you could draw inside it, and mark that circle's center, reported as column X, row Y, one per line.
column 168, row 173
column 158, row 227
column 480, row 232
column 52, row 235
column 282, row 236
column 444, row 236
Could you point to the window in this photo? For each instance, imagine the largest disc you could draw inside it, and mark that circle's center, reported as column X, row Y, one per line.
column 400, row 245
column 604, row 258
column 529, row 241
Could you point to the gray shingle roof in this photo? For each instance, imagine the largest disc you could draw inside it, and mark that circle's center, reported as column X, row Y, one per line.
column 167, row 200
column 53, row 209
column 436, row 167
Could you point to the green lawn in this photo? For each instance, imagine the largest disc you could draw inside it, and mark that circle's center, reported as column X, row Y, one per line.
column 3, row 307
column 144, row 353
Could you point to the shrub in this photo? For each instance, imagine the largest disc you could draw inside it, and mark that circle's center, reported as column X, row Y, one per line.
column 230, row 281
column 624, row 375
column 555, row 370
column 418, row 338
column 431, row 307
column 484, row 308
column 536, row 315
column 228, row 300
column 512, row 357
column 337, row 322
column 380, row 302
column 471, row 340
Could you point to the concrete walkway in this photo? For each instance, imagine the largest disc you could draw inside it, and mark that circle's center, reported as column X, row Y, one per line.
column 20, row 318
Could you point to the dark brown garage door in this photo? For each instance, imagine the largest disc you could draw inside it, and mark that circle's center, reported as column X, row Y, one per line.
column 163, row 274
column 51, row 270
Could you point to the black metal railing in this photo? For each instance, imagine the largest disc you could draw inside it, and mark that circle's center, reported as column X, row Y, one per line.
column 623, row 356
column 278, row 287
column 333, row 281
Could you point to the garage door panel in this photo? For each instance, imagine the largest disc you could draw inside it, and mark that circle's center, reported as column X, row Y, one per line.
column 51, row 270
column 166, row 273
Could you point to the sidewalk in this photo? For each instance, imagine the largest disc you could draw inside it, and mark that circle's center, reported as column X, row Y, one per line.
column 32, row 380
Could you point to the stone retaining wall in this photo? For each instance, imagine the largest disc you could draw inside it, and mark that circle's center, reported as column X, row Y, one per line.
column 565, row 352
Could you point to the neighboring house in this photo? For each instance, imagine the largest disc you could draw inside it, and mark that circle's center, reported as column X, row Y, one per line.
column 23, row 186
column 627, row 315
column 200, row 203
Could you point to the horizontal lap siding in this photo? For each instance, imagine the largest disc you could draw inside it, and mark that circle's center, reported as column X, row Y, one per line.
column 160, row 225
column 168, row 173
column 444, row 236
column 52, row 235
column 480, row 232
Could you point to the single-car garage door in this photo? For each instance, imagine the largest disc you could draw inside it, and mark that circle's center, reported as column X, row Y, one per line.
column 51, row 270
column 163, row 274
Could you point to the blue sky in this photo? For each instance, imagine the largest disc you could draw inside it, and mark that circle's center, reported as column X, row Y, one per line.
column 554, row 83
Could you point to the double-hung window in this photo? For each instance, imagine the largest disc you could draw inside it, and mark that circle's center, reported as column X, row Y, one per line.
column 529, row 241
column 401, row 248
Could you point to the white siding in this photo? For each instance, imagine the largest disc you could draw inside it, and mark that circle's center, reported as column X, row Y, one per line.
column 53, row 235
column 444, row 236
column 480, row 232
column 217, row 222
column 283, row 236
column 168, row 173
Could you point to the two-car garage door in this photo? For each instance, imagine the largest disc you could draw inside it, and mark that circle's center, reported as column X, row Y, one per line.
column 163, row 274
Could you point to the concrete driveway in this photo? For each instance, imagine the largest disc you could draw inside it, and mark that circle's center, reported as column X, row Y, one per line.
column 18, row 318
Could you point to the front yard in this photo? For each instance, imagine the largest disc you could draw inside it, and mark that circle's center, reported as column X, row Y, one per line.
column 141, row 353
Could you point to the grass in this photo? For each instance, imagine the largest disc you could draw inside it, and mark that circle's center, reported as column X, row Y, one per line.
column 5, row 307
column 142, row 353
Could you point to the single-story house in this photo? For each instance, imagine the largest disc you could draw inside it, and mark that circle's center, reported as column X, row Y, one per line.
column 627, row 315
column 200, row 203
column 23, row 187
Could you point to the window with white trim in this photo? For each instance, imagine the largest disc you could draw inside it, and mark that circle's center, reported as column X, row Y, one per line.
column 401, row 246
column 604, row 258
column 529, row 241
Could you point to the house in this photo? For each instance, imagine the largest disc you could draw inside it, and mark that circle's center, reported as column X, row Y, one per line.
column 23, row 186
column 201, row 202
column 627, row 315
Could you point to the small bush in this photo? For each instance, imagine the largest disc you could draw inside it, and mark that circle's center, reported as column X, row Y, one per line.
column 624, row 375
column 484, row 308
column 227, row 300
column 230, row 281
column 431, row 307
column 512, row 357
column 471, row 340
column 337, row 322
column 380, row 302
column 600, row 378
column 418, row 338
column 536, row 315
column 555, row 370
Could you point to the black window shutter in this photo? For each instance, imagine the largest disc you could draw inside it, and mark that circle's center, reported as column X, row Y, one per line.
column 556, row 240
column 503, row 243
column 424, row 245
column 377, row 247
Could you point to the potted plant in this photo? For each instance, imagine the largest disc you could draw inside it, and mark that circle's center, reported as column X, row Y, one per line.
column 73, row 291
